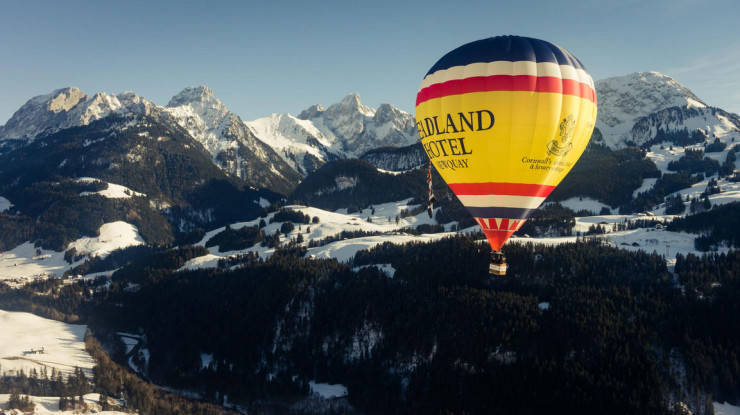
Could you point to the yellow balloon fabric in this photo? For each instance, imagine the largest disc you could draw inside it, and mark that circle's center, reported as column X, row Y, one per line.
column 503, row 120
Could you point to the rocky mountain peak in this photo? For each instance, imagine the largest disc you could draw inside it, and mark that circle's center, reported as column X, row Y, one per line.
column 623, row 100
column 193, row 94
column 63, row 108
column 387, row 113
column 314, row 111
column 348, row 105
column 63, row 100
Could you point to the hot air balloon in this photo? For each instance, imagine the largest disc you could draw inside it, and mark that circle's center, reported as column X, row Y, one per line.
column 503, row 120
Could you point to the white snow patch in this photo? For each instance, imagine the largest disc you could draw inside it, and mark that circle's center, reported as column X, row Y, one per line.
column 646, row 185
column 544, row 306
column 113, row 191
column 328, row 391
column 725, row 409
column 112, row 236
column 264, row 202
column 63, row 344
column 5, row 204
column 206, row 360
column 26, row 262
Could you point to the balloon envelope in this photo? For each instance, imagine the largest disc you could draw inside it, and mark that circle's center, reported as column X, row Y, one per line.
column 503, row 120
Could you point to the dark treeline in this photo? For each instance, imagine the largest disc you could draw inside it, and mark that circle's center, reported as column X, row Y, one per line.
column 576, row 328
column 113, row 380
column 720, row 225
column 46, row 383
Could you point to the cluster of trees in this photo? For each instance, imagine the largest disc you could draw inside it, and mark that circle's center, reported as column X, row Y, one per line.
column 693, row 161
column 720, row 225
column 45, row 383
column 234, row 239
column 370, row 187
column 290, row 215
column 610, row 176
column 680, row 137
column 22, row 403
column 115, row 381
column 552, row 219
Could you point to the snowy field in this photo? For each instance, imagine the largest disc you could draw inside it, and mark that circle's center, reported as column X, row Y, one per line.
column 26, row 262
column 32, row 342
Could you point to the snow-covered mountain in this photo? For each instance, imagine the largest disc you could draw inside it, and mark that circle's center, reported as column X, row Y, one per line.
column 354, row 128
column 298, row 141
column 223, row 134
column 346, row 129
column 66, row 108
column 281, row 145
column 634, row 107
column 231, row 143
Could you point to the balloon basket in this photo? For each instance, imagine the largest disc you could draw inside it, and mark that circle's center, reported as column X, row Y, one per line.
column 498, row 264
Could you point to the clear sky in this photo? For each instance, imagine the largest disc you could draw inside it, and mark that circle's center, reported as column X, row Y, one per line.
column 273, row 56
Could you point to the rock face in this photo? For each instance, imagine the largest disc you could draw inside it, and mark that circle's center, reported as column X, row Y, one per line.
column 356, row 128
column 626, row 102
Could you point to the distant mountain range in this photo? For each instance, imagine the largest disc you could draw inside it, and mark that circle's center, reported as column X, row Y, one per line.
column 200, row 165
column 274, row 151
column 304, row 238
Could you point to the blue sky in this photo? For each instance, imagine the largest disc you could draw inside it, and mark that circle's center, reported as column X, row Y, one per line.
column 263, row 57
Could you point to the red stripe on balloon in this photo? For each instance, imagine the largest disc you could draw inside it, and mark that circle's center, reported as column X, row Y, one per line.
column 510, row 189
column 507, row 83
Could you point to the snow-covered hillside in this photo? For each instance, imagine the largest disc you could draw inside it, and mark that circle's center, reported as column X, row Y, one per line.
column 33, row 342
column 380, row 221
column 27, row 262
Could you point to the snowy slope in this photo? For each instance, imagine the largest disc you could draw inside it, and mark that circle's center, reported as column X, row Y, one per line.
column 26, row 262
column 297, row 141
column 63, row 344
column 631, row 108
